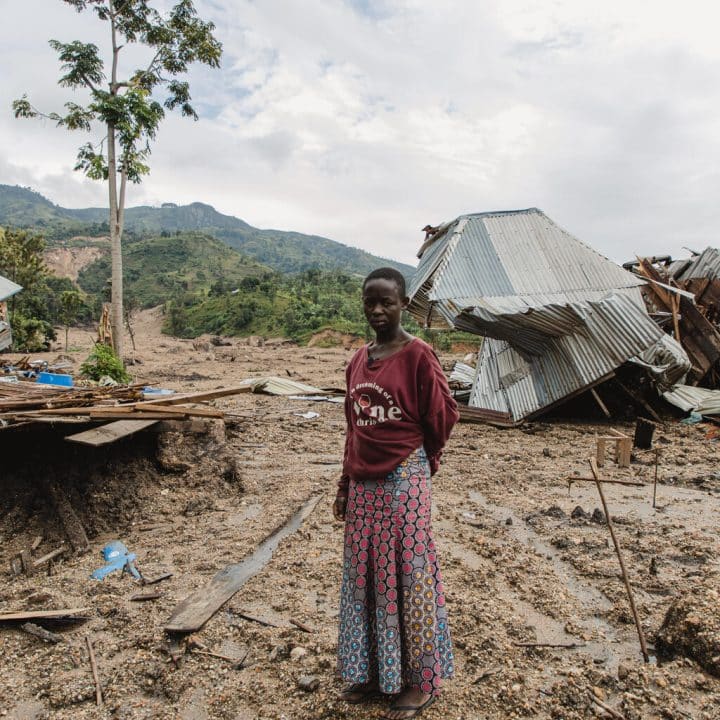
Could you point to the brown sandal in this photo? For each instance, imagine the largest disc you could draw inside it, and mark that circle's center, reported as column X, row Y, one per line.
column 362, row 692
column 416, row 710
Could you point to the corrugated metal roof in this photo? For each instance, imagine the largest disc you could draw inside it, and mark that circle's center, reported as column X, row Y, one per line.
column 526, row 372
column 280, row 386
column 560, row 316
column 514, row 253
column 705, row 265
column 701, row 400
column 8, row 288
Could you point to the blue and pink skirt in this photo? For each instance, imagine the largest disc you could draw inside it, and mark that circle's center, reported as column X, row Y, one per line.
column 393, row 619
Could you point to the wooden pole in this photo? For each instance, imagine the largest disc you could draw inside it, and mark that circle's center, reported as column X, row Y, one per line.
column 598, row 483
column 657, row 453
column 96, row 677
column 606, row 708
column 600, row 403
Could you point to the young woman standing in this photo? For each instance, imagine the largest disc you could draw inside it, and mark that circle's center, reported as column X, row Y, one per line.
column 394, row 636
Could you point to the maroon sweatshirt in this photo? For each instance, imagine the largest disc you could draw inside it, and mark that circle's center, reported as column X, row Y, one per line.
column 392, row 407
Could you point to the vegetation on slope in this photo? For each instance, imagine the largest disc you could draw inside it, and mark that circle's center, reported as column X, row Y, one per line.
column 163, row 267
column 43, row 301
column 293, row 306
column 282, row 251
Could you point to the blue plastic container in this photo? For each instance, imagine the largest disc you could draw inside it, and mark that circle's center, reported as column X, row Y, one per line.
column 55, row 379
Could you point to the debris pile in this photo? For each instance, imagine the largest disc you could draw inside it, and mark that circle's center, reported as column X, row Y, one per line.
column 682, row 314
column 560, row 319
column 692, row 626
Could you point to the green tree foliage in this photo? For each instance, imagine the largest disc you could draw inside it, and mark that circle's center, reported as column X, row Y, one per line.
column 294, row 306
column 160, row 268
column 127, row 108
column 39, row 305
column 103, row 362
column 21, row 260
column 71, row 301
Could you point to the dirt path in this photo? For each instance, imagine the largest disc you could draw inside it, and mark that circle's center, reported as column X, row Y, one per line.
column 520, row 566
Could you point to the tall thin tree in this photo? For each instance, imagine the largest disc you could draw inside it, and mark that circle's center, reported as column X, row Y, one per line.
column 128, row 109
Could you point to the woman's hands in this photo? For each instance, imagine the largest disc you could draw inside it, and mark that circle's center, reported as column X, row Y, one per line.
column 340, row 505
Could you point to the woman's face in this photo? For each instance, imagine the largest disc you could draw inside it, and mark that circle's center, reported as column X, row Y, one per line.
column 383, row 305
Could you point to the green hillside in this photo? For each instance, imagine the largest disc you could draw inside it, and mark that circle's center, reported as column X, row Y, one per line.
column 281, row 250
column 293, row 306
column 23, row 208
column 162, row 267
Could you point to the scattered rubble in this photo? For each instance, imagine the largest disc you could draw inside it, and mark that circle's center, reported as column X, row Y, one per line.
column 538, row 610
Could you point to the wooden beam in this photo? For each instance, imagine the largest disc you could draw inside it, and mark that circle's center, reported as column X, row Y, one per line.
column 198, row 396
column 600, row 403
column 24, row 615
column 110, row 433
column 196, row 609
column 575, row 478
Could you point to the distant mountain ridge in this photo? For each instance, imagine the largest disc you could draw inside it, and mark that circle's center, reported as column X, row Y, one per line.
column 284, row 251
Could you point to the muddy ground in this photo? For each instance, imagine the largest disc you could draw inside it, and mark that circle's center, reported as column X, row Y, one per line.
column 522, row 563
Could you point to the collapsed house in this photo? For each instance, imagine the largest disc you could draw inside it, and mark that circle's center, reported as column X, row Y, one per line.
column 684, row 296
column 558, row 317
column 7, row 289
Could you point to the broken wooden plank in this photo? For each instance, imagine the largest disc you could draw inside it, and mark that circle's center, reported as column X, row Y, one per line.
column 49, row 556
column 110, row 415
column 159, row 578
column 75, row 613
column 482, row 415
column 110, row 433
column 41, row 632
column 198, row 396
column 253, row 618
column 623, row 450
column 196, row 609
column 301, row 626
column 640, row 400
column 23, row 562
column 172, row 410
column 600, row 403
column 630, row 483
column 141, row 597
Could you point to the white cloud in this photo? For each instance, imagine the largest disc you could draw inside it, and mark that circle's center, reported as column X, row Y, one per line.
column 362, row 120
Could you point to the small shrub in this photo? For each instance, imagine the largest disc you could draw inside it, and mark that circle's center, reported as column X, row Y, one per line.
column 103, row 361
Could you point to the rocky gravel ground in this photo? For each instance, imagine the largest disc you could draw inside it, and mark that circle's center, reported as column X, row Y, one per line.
column 539, row 613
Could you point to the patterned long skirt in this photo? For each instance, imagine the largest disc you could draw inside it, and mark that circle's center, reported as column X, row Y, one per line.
column 393, row 619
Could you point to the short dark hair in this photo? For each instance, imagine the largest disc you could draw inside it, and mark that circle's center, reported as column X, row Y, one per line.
column 388, row 273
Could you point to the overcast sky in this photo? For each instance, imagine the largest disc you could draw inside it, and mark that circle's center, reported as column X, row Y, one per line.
column 363, row 120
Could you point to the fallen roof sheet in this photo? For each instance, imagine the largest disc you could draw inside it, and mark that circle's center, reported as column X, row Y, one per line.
column 559, row 316
column 704, row 265
column 280, row 386
column 701, row 400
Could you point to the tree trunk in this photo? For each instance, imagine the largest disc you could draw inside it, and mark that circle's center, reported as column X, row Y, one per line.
column 116, row 294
